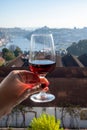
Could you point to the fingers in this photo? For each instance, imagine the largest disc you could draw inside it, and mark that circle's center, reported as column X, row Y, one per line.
column 33, row 80
column 44, row 82
column 30, row 80
column 28, row 77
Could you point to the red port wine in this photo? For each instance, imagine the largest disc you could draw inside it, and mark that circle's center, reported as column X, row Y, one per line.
column 41, row 67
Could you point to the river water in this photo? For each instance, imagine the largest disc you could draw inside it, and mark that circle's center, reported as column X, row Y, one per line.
column 24, row 44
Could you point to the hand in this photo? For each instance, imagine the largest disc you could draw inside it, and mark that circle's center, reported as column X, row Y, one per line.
column 17, row 86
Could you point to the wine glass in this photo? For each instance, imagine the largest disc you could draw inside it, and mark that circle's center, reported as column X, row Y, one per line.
column 42, row 61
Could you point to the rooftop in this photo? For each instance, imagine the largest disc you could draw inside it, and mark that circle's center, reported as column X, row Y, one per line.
column 68, row 81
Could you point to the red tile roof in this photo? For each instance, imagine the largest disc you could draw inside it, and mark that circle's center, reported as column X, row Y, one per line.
column 68, row 84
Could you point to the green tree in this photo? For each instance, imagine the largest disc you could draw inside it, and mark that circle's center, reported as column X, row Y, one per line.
column 4, row 51
column 9, row 56
column 2, row 61
column 17, row 51
column 79, row 48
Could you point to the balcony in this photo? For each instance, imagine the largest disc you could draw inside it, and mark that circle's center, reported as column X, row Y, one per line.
column 68, row 82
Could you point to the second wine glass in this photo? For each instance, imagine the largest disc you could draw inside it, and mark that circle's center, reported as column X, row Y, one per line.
column 42, row 61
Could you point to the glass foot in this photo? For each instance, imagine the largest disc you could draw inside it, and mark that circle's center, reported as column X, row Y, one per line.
column 42, row 97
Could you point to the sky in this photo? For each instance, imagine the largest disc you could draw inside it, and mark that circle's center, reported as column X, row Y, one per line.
column 39, row 13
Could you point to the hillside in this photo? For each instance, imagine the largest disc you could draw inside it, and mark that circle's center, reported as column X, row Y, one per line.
column 63, row 37
column 78, row 48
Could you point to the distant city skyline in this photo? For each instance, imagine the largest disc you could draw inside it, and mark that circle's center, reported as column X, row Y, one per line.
column 39, row 13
